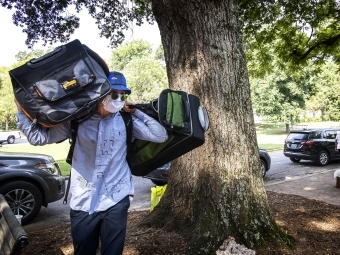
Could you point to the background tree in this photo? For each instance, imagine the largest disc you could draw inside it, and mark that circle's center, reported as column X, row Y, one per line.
column 216, row 190
column 159, row 55
column 129, row 51
column 327, row 97
column 146, row 78
column 279, row 96
column 24, row 56
column 314, row 106
column 294, row 31
column 144, row 71
column 311, row 91
column 7, row 105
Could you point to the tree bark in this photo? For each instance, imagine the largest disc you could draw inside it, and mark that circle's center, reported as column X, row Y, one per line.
column 287, row 128
column 216, row 190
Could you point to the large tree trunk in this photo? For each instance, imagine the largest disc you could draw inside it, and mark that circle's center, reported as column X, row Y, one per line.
column 216, row 190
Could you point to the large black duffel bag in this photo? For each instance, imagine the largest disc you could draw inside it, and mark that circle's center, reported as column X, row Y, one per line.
column 62, row 85
column 185, row 120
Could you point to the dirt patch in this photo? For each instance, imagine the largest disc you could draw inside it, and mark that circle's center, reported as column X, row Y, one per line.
column 314, row 225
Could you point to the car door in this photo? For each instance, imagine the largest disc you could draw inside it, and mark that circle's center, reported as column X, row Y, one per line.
column 329, row 136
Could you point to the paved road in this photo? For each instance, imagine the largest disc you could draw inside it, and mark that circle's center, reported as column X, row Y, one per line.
column 282, row 169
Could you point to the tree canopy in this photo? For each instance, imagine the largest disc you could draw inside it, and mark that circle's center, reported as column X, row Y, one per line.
column 128, row 51
column 7, row 105
column 310, row 95
column 294, row 31
column 53, row 21
column 144, row 72
column 280, row 96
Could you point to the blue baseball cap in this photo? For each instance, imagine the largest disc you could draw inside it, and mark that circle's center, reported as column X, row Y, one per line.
column 118, row 81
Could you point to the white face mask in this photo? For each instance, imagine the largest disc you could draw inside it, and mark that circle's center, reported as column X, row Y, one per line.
column 111, row 105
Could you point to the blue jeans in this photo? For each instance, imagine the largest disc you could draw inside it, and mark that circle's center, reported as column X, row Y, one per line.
column 109, row 226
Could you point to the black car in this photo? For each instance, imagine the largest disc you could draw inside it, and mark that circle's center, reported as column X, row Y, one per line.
column 160, row 176
column 317, row 145
column 265, row 161
column 29, row 181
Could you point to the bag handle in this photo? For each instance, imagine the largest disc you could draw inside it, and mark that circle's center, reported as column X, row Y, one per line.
column 137, row 106
column 37, row 62
column 154, row 105
column 148, row 109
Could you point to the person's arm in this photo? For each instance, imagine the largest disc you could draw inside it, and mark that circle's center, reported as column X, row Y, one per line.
column 38, row 135
column 147, row 128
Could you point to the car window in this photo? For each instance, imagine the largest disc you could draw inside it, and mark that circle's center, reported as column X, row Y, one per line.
column 315, row 135
column 297, row 136
column 330, row 134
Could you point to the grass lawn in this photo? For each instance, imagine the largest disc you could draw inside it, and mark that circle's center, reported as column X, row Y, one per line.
column 269, row 137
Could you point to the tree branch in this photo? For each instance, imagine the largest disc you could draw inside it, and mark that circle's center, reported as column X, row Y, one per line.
column 328, row 42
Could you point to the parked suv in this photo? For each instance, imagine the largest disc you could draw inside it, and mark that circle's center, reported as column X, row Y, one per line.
column 29, row 181
column 317, row 145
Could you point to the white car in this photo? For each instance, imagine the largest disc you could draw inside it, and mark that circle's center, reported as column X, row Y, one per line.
column 9, row 136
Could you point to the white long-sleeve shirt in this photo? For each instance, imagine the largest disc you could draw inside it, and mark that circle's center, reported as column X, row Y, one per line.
column 100, row 175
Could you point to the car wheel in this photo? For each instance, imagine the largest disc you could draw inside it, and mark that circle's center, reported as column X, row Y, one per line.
column 23, row 198
column 323, row 158
column 295, row 160
column 10, row 139
column 263, row 167
column 159, row 183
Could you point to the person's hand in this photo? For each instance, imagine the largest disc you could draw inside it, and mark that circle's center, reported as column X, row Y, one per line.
column 126, row 107
column 17, row 104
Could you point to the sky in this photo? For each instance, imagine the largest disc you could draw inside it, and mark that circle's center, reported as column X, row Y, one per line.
column 13, row 39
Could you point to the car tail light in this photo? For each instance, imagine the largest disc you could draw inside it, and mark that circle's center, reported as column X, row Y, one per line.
column 308, row 143
column 165, row 175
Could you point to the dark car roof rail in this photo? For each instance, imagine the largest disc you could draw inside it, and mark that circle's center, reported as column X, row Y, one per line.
column 314, row 129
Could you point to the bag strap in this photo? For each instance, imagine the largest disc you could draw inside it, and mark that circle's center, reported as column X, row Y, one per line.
column 128, row 125
column 67, row 189
column 74, row 131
